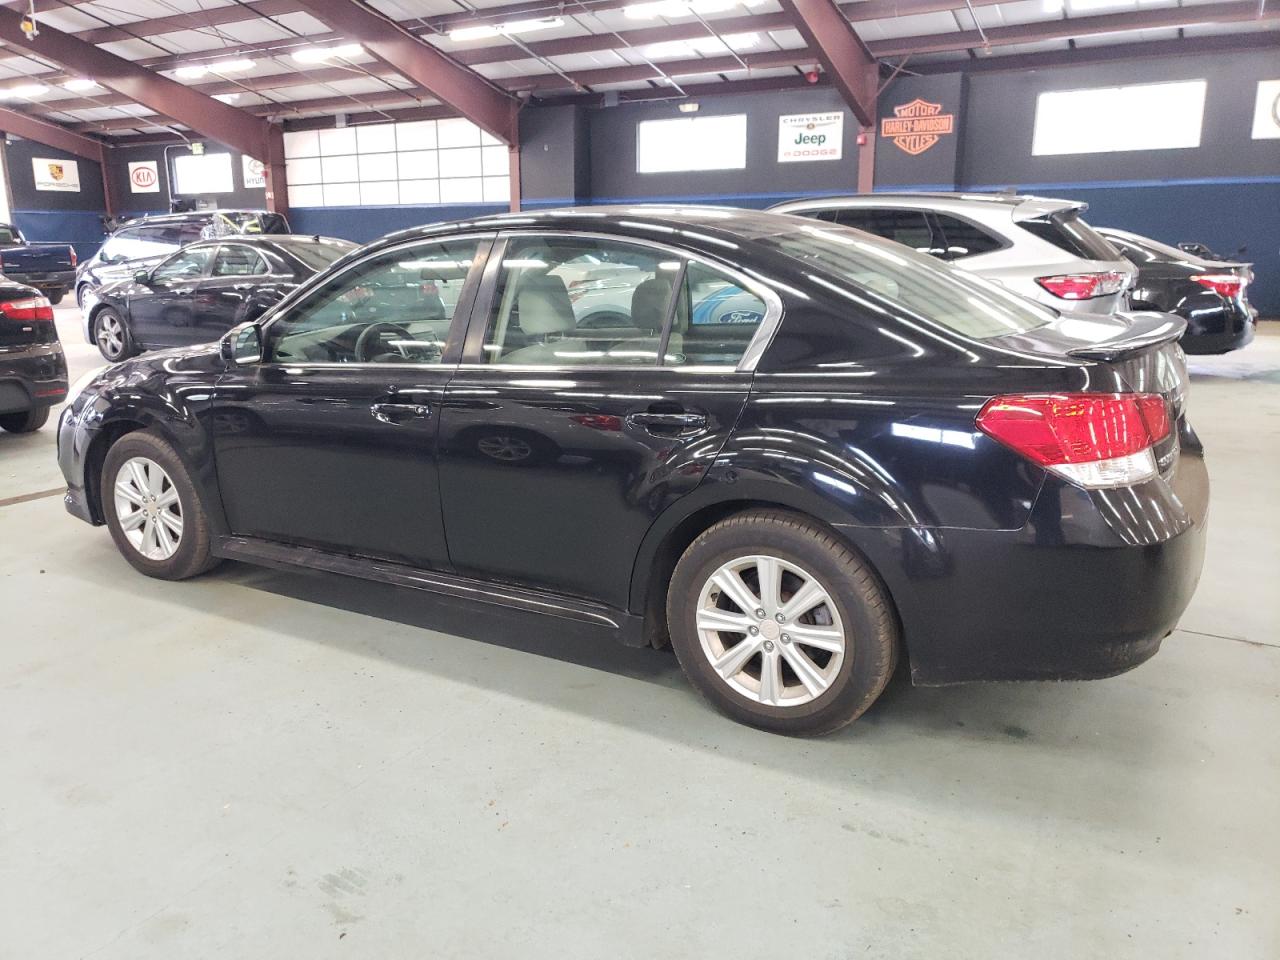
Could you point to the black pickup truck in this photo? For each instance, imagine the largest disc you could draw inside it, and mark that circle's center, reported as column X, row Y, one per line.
column 49, row 267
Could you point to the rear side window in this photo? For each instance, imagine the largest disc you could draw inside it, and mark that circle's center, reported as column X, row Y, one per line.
column 715, row 320
column 234, row 260
column 960, row 238
column 909, row 227
column 1068, row 232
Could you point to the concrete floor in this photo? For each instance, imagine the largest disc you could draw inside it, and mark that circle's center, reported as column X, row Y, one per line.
column 260, row 765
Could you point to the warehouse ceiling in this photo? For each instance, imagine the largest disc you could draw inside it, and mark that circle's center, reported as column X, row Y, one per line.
column 284, row 59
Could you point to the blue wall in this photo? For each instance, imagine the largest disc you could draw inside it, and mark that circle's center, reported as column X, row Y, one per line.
column 80, row 228
column 363, row 224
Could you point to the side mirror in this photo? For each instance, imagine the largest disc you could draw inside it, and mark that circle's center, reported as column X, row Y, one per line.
column 142, row 276
column 242, row 344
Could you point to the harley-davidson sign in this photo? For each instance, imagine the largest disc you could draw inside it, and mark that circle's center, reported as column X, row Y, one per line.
column 916, row 126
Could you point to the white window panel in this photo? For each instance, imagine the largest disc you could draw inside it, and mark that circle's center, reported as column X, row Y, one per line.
column 342, row 195
column 460, row 163
column 377, row 166
column 303, row 170
column 420, row 191
column 302, row 143
column 692, row 143
column 376, row 138
column 1148, row 116
column 488, row 140
column 497, row 189
column 416, row 135
column 419, row 165
column 303, row 196
column 339, row 170
column 338, row 141
column 202, row 173
column 457, row 132
column 384, row 193
column 462, row 190
column 495, row 161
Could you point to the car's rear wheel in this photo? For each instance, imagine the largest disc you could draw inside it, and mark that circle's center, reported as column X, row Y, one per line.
column 55, row 297
column 26, row 421
column 111, row 334
column 780, row 625
column 153, row 510
column 80, row 292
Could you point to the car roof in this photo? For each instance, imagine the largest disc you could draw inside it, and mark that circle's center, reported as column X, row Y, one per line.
column 1020, row 206
column 185, row 217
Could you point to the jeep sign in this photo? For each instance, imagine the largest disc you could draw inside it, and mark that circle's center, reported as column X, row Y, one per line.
column 810, row 136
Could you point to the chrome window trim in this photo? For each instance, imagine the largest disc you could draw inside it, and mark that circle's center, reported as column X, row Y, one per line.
column 750, row 356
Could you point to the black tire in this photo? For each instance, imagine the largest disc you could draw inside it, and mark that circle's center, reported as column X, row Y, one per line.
column 862, row 603
column 127, row 348
column 193, row 554
column 56, row 298
column 80, row 292
column 26, row 422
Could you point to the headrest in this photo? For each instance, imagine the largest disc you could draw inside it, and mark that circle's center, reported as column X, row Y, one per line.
column 543, row 303
column 649, row 304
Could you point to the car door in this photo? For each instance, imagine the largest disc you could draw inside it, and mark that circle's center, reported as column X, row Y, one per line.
column 162, row 309
column 580, row 412
column 243, row 279
column 330, row 440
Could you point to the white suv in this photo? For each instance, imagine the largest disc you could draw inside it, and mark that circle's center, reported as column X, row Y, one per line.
column 1036, row 247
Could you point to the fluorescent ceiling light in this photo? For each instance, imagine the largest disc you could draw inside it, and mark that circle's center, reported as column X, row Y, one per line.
column 238, row 65
column 345, row 51
column 672, row 9
column 192, row 71
column 28, row 91
column 486, row 30
column 227, row 97
column 79, row 84
column 704, row 45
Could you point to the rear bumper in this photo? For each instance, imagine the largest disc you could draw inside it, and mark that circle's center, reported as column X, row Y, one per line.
column 50, row 281
column 1087, row 589
column 32, row 377
column 1219, row 331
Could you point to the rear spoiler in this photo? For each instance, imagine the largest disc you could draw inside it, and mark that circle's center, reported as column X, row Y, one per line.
column 1145, row 330
column 1035, row 208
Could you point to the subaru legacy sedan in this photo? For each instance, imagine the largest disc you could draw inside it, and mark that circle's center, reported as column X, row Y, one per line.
column 793, row 451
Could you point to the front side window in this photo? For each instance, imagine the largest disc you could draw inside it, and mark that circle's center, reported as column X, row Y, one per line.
column 396, row 307
column 579, row 301
column 234, row 260
column 189, row 264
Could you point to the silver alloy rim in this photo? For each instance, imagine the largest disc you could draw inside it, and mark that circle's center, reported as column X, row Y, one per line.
column 148, row 508
column 505, row 448
column 771, row 631
column 110, row 335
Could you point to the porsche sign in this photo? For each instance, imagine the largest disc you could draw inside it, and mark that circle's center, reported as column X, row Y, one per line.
column 59, row 175
column 917, row 126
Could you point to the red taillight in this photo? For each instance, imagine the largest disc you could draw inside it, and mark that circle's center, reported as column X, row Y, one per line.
column 1223, row 284
column 32, row 308
column 1083, row 286
column 1091, row 439
column 72, row 250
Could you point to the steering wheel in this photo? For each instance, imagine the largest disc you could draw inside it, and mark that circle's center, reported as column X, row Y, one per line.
column 373, row 334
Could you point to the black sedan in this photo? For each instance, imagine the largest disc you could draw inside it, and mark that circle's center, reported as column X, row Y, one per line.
column 33, row 370
column 1211, row 295
column 795, row 452
column 202, row 291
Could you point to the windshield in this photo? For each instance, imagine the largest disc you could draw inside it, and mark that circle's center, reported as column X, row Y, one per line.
column 8, row 234
column 1066, row 231
column 925, row 287
column 318, row 253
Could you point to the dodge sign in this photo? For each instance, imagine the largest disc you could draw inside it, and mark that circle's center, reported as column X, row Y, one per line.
column 810, row 136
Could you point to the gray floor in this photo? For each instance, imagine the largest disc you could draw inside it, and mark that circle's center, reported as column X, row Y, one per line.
column 256, row 765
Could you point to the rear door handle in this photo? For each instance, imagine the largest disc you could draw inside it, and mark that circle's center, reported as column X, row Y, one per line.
column 399, row 412
column 668, row 421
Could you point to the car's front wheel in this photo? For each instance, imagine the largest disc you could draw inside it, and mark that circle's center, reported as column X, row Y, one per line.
column 780, row 625
column 27, row 421
column 111, row 334
column 153, row 510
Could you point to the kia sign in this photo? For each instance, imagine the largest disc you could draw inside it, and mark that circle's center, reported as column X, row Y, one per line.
column 810, row 136
column 144, row 177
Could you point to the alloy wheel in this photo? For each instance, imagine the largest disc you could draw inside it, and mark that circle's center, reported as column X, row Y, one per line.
column 148, row 509
column 770, row 630
column 508, row 449
column 110, row 336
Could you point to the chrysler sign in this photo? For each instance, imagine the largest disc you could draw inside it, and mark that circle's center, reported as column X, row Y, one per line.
column 810, row 136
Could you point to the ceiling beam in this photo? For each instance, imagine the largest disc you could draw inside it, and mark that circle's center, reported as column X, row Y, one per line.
column 205, row 20
column 52, row 135
column 853, row 69
column 474, row 97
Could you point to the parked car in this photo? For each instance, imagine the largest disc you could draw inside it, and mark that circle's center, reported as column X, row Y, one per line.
column 202, row 291
column 49, row 267
column 1037, row 247
column 1211, row 295
column 148, row 240
column 33, row 370
column 884, row 457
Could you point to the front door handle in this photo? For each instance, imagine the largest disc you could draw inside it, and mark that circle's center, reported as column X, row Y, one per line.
column 680, row 422
column 181, row 291
column 399, row 412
